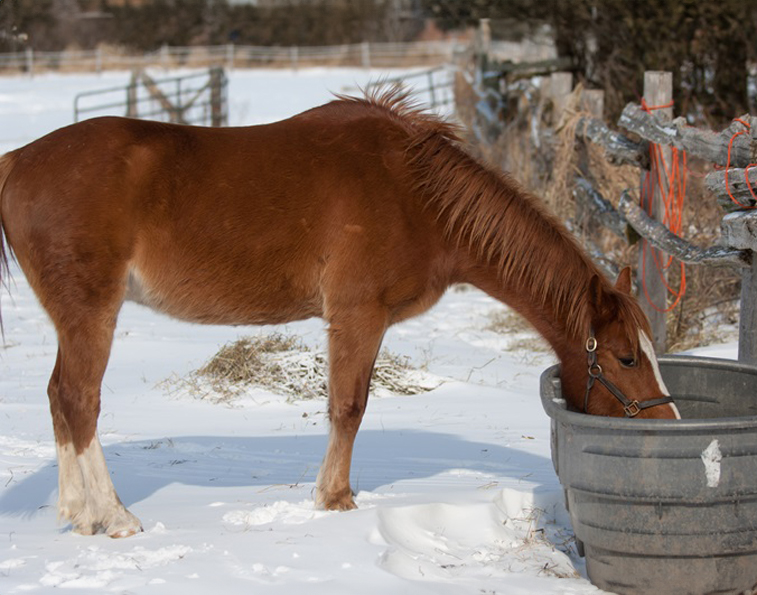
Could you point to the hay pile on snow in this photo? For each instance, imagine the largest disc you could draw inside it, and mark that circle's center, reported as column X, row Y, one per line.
column 284, row 365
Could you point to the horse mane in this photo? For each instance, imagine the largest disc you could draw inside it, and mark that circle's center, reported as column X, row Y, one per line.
column 501, row 223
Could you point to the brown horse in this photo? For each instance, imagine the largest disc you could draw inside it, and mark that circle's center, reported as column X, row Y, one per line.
column 362, row 212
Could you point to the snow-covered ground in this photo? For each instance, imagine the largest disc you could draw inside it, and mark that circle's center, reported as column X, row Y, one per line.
column 456, row 490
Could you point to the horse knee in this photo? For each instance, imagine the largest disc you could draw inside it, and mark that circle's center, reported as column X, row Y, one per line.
column 78, row 410
column 347, row 416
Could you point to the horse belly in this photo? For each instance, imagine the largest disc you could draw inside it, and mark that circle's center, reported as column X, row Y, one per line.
column 223, row 295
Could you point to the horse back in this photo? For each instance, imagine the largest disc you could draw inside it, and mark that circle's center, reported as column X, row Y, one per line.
column 261, row 224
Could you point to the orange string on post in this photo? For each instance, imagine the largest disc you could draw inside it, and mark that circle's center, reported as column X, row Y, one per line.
column 747, row 127
column 671, row 182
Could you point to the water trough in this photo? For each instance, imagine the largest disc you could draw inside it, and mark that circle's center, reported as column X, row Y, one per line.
column 662, row 506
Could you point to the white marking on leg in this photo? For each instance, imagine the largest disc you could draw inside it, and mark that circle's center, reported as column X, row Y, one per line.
column 71, row 492
column 103, row 508
column 325, row 478
column 648, row 349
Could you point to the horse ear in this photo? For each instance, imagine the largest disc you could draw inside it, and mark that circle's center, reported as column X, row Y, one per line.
column 623, row 284
column 595, row 292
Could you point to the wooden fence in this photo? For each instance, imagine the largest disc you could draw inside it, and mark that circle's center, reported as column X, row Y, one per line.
column 734, row 186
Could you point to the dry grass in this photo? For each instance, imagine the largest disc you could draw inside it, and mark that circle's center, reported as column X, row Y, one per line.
column 284, row 365
column 509, row 322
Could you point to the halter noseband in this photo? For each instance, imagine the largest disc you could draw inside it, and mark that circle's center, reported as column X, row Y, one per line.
column 631, row 408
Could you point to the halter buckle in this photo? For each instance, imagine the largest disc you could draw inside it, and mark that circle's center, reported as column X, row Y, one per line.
column 632, row 409
column 591, row 344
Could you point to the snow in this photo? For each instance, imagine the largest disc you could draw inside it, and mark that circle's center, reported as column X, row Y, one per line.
column 456, row 490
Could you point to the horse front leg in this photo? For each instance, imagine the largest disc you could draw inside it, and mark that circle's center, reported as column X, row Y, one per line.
column 354, row 341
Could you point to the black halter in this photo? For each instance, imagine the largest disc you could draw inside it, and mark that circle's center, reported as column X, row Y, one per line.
column 632, row 408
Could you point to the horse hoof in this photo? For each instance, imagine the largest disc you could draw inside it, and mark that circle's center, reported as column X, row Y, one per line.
column 125, row 526
column 126, row 532
column 340, row 503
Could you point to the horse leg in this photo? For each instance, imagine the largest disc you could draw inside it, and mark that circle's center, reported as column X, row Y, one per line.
column 354, row 341
column 87, row 497
column 71, row 494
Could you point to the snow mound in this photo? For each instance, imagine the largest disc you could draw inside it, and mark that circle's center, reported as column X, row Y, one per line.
column 440, row 542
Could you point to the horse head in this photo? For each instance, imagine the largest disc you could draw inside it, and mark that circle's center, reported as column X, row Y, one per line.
column 614, row 371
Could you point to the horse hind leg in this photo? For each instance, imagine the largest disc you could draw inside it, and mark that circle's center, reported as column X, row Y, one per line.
column 87, row 497
column 71, row 491
column 354, row 341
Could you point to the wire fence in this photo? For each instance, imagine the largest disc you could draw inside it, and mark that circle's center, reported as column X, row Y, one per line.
column 364, row 55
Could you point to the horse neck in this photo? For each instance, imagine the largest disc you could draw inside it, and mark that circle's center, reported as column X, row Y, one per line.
column 513, row 247
column 527, row 259
column 560, row 315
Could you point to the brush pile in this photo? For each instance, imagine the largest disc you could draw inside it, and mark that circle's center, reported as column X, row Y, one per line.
column 284, row 365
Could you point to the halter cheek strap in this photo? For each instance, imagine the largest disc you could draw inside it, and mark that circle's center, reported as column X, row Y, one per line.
column 632, row 408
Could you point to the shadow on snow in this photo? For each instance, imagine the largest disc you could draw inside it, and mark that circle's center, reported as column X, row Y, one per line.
column 381, row 458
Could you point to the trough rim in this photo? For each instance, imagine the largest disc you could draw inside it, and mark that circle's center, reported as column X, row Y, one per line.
column 550, row 390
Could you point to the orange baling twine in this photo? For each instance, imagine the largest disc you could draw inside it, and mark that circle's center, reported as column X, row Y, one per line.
column 746, row 170
column 670, row 180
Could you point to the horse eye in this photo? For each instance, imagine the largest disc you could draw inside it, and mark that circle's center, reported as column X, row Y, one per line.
column 627, row 362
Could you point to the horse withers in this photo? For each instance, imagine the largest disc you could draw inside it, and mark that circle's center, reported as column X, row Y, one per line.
column 362, row 212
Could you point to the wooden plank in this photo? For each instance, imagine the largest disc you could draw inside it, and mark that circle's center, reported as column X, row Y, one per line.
column 175, row 111
column 658, row 90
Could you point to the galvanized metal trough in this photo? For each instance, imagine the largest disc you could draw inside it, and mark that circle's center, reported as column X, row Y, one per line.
column 665, row 507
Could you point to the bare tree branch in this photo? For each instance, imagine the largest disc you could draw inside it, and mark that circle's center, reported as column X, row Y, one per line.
column 600, row 209
column 619, row 149
column 707, row 144
column 662, row 239
column 739, row 230
column 737, row 183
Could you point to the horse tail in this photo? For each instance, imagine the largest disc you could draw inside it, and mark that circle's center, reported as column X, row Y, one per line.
column 7, row 162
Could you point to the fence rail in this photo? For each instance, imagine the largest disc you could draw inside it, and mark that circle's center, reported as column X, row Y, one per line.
column 192, row 99
column 364, row 55
column 432, row 88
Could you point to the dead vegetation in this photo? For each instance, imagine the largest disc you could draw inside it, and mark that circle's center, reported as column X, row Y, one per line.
column 525, row 338
column 284, row 365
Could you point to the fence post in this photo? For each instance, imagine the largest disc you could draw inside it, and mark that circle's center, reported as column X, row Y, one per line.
column 484, row 45
column 131, row 96
column 431, row 91
column 30, row 61
column 560, row 87
column 658, row 90
column 592, row 102
column 230, row 56
column 217, row 85
column 748, row 315
column 164, row 56
column 365, row 53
